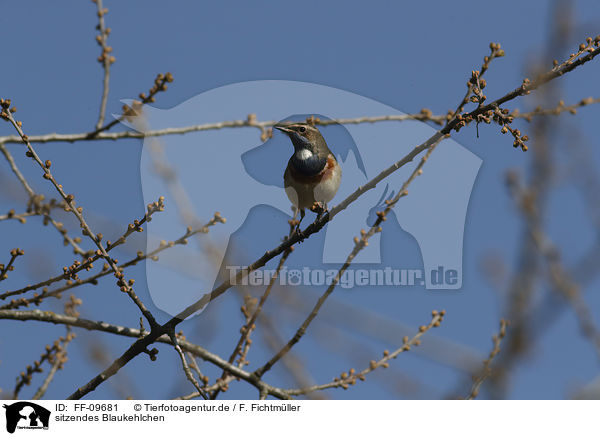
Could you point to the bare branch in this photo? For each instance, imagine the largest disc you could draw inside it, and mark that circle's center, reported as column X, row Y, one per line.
column 349, row 378
column 53, row 354
column 243, row 345
column 88, row 263
column 14, row 253
column 37, row 298
column 249, row 122
column 186, row 367
column 105, row 58
column 486, row 370
column 78, row 212
column 16, row 171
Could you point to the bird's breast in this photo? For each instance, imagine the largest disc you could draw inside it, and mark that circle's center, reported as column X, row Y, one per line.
column 325, row 174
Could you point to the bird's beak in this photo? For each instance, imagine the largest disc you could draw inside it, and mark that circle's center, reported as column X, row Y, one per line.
column 283, row 128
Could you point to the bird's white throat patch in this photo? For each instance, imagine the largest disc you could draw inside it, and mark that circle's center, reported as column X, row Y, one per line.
column 303, row 154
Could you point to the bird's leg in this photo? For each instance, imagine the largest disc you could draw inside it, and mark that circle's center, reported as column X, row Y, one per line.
column 302, row 214
column 295, row 223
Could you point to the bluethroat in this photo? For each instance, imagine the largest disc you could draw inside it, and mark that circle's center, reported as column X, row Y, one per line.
column 313, row 175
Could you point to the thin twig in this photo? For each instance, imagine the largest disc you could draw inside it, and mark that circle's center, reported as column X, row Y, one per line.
column 349, row 378
column 16, row 171
column 35, row 203
column 486, row 370
column 53, row 354
column 559, row 109
column 249, row 122
column 21, row 217
column 105, row 59
column 44, row 387
column 160, row 84
column 560, row 279
column 186, row 367
column 475, row 81
column 14, row 253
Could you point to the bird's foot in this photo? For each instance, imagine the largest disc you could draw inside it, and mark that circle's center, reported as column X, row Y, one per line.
column 319, row 208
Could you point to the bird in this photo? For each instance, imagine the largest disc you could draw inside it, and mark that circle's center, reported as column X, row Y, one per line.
column 312, row 176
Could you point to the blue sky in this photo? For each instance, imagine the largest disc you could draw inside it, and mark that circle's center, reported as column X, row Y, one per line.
column 407, row 55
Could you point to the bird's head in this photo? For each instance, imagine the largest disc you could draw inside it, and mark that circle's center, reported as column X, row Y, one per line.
column 304, row 136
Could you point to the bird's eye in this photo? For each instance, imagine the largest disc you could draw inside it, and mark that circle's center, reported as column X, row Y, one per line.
column 302, row 129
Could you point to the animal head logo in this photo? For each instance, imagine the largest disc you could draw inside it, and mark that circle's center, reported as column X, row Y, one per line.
column 239, row 173
column 26, row 415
